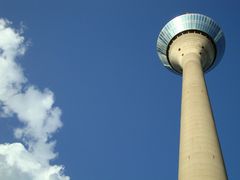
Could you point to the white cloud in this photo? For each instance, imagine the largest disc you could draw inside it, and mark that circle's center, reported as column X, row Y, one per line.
column 18, row 163
column 29, row 158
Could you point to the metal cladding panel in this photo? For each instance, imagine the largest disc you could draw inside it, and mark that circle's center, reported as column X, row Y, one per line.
column 190, row 21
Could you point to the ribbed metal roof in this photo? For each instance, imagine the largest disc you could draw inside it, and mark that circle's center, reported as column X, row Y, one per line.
column 190, row 21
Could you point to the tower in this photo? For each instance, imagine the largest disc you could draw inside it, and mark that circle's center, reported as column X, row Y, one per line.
column 190, row 45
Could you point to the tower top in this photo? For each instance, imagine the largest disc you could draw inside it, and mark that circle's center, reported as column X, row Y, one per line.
column 190, row 23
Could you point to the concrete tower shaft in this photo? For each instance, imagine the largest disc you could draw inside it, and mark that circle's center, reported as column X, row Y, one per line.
column 190, row 45
column 200, row 156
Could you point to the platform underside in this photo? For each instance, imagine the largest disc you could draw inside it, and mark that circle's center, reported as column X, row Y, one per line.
column 191, row 41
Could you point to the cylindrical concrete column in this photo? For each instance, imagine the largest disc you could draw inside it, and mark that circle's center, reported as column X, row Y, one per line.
column 200, row 156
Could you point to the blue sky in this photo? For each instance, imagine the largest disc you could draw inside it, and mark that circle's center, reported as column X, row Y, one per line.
column 120, row 106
